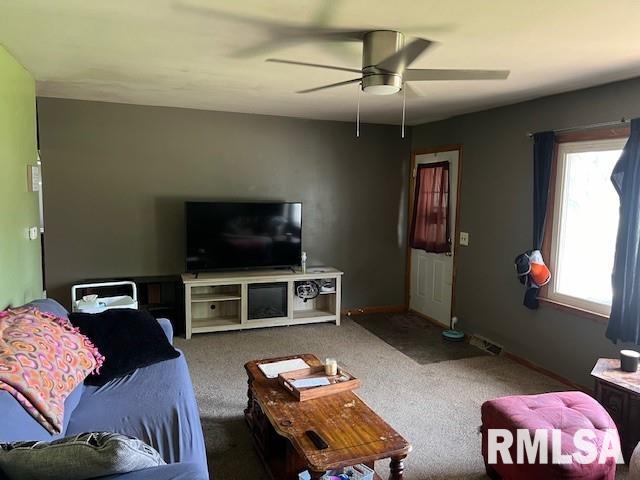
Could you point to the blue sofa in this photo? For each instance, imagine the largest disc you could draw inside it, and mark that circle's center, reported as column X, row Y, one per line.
column 155, row 404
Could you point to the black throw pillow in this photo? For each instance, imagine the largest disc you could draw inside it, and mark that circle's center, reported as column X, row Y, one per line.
column 128, row 339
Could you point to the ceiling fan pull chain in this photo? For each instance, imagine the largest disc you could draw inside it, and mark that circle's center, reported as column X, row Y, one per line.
column 404, row 106
column 358, row 113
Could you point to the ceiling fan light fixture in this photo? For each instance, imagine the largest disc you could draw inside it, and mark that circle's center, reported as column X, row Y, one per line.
column 382, row 84
column 381, row 89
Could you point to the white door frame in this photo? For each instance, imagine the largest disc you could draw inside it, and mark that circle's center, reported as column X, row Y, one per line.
column 455, row 233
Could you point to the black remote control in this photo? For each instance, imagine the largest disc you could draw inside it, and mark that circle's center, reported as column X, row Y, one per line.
column 317, row 440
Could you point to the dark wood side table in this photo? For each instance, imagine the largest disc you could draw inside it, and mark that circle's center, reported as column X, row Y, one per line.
column 619, row 393
column 354, row 432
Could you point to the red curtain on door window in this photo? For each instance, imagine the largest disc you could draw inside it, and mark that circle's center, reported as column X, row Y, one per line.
column 430, row 222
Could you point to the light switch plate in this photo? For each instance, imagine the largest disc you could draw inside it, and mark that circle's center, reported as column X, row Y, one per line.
column 464, row 239
column 33, row 233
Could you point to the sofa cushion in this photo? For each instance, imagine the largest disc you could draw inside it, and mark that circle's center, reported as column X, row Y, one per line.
column 78, row 457
column 129, row 339
column 49, row 305
column 17, row 425
column 167, row 328
column 174, row 471
column 155, row 404
column 42, row 359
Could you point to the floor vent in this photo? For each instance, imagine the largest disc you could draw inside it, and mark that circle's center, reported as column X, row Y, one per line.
column 485, row 344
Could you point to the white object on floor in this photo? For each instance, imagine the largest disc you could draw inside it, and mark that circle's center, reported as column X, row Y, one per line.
column 273, row 369
column 97, row 304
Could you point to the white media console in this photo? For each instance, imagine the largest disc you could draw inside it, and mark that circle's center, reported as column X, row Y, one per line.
column 216, row 302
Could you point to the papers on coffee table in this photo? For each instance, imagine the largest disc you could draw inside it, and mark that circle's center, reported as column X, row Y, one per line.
column 273, row 369
column 310, row 382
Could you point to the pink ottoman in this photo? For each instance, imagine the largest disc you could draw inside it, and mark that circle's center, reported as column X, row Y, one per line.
column 564, row 411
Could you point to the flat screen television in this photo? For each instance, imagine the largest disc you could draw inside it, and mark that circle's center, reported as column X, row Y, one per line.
column 235, row 236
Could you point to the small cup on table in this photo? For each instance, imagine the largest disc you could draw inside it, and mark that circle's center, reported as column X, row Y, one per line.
column 331, row 367
column 629, row 360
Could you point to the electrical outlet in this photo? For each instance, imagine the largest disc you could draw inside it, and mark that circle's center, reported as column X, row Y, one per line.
column 464, row 239
column 33, row 233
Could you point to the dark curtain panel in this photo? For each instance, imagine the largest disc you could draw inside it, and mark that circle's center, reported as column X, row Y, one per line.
column 543, row 149
column 624, row 322
column 430, row 222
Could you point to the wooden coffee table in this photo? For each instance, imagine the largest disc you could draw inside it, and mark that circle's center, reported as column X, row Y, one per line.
column 354, row 432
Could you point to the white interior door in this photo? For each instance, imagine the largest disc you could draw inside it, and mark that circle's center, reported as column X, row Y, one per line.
column 432, row 273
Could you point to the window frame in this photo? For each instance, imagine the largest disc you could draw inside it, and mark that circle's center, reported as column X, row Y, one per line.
column 569, row 143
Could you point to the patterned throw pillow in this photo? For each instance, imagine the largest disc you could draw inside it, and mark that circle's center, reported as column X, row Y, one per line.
column 42, row 359
column 78, row 457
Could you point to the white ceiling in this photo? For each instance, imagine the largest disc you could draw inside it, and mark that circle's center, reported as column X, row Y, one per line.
column 183, row 53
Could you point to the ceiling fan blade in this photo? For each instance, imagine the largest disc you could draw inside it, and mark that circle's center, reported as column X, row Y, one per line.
column 436, row 74
column 339, row 84
column 279, row 28
column 227, row 15
column 405, row 57
column 280, row 40
column 411, row 91
column 329, row 34
column 281, row 33
column 317, row 65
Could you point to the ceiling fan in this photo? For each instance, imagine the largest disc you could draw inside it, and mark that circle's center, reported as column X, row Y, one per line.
column 385, row 62
column 385, row 68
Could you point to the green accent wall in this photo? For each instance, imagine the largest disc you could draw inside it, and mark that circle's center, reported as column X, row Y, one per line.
column 20, row 258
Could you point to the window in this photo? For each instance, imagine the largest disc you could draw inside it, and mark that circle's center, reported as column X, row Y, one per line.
column 585, row 225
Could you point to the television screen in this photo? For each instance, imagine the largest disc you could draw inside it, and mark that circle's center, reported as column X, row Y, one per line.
column 243, row 235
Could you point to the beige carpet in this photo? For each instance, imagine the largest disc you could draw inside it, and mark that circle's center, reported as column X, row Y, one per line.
column 435, row 406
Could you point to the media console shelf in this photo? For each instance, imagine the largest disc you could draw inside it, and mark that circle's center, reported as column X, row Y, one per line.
column 217, row 302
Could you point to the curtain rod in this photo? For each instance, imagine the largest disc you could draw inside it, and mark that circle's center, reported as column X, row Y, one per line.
column 622, row 121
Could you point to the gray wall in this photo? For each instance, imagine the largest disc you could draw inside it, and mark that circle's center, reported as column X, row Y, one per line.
column 116, row 178
column 496, row 209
